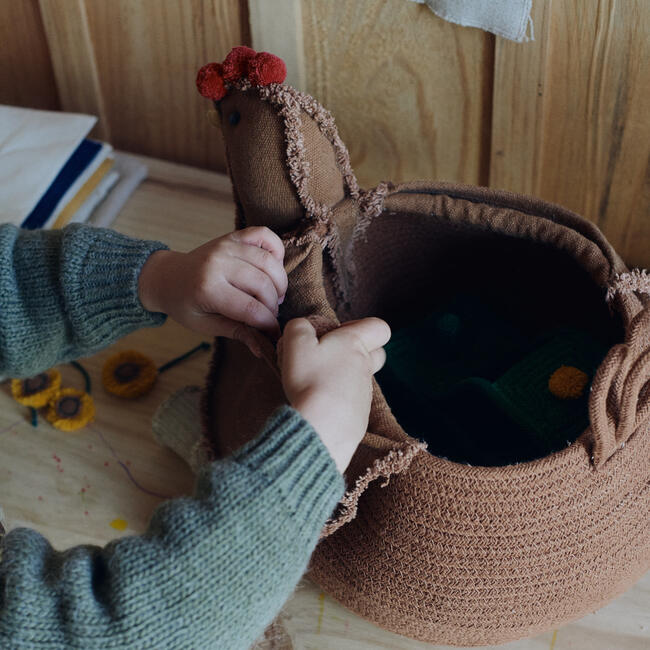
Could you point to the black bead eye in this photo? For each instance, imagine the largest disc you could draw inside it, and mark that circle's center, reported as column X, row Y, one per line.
column 234, row 117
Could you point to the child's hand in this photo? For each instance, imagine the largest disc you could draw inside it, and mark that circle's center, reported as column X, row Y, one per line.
column 329, row 380
column 220, row 287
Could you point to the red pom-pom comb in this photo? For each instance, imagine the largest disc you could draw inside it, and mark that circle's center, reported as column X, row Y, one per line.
column 235, row 65
column 260, row 68
column 210, row 81
column 265, row 68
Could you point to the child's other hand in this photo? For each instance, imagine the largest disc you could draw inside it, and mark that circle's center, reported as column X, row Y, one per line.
column 220, row 287
column 329, row 381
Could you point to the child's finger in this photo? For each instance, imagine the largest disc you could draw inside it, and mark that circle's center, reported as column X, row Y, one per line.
column 254, row 282
column 297, row 334
column 240, row 306
column 267, row 263
column 300, row 329
column 221, row 326
column 374, row 333
column 377, row 359
column 262, row 237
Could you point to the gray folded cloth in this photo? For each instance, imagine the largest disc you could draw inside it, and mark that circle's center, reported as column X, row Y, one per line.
column 508, row 18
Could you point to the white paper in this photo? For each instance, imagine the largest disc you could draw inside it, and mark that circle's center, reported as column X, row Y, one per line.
column 34, row 146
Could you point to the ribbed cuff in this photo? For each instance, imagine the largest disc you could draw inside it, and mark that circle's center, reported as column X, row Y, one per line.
column 101, row 269
column 292, row 456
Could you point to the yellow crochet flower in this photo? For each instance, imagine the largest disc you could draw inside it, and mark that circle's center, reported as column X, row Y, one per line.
column 129, row 374
column 36, row 391
column 568, row 382
column 70, row 409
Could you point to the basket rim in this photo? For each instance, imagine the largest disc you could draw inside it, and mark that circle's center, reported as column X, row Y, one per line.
column 552, row 219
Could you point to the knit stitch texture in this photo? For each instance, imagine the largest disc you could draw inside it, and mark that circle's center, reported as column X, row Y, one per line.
column 211, row 571
column 67, row 293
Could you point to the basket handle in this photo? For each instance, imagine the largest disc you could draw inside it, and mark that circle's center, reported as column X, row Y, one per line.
column 620, row 393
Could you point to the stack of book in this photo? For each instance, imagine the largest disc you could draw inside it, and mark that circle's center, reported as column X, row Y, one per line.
column 52, row 174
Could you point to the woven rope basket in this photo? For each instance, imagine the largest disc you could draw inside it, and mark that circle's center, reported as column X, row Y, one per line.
column 422, row 544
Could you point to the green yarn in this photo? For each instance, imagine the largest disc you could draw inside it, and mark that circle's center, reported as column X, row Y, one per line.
column 84, row 374
column 170, row 364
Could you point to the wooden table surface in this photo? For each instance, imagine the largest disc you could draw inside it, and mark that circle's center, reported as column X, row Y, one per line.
column 76, row 488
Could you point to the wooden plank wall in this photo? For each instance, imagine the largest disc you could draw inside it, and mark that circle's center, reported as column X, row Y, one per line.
column 562, row 117
column 26, row 74
column 411, row 93
column 570, row 116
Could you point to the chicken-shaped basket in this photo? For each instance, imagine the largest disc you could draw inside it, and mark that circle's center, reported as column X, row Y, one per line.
column 521, row 357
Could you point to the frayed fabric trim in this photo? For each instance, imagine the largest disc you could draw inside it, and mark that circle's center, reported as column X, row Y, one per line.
column 632, row 283
column 371, row 204
column 394, row 462
column 291, row 102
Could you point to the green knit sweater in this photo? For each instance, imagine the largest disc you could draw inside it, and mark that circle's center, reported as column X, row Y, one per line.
column 211, row 571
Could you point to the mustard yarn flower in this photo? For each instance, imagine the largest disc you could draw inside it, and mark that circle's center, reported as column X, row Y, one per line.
column 568, row 382
column 36, row 391
column 70, row 409
column 129, row 374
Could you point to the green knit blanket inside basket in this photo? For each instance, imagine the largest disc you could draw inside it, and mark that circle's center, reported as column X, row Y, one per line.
column 477, row 389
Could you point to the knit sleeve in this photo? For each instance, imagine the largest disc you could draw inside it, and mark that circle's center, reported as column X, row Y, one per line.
column 211, row 571
column 67, row 293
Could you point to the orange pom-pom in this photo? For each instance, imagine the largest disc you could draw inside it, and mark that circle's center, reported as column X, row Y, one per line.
column 210, row 81
column 235, row 65
column 265, row 68
column 568, row 382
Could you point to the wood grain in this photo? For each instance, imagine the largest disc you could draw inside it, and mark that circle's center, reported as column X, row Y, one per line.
column 26, row 74
column 73, row 59
column 410, row 92
column 148, row 54
column 570, row 116
column 185, row 207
